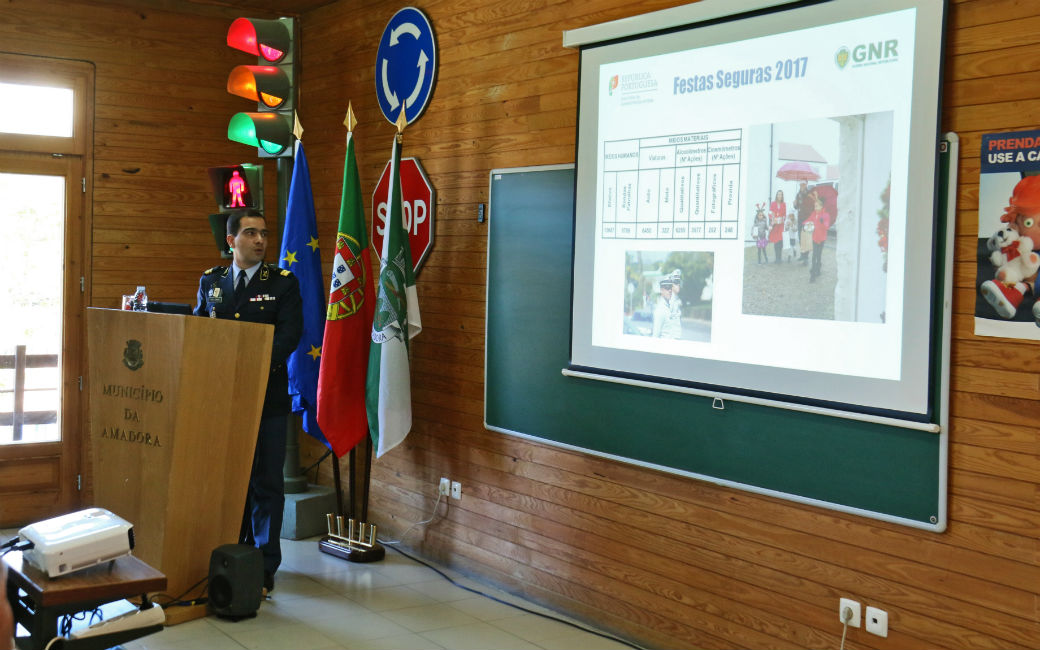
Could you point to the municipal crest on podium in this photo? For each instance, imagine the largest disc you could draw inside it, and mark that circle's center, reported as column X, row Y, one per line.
column 133, row 355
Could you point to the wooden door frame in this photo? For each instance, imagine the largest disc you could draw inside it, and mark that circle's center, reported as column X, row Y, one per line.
column 64, row 462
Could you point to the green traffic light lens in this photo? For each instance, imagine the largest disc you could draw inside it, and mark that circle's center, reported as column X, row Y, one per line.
column 241, row 129
column 268, row 131
column 271, row 147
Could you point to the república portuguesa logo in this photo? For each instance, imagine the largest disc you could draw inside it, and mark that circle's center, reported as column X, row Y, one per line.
column 633, row 88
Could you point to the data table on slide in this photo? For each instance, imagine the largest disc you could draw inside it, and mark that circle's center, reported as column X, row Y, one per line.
column 684, row 186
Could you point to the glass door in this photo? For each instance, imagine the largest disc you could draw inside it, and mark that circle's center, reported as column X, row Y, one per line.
column 46, row 118
column 32, row 226
column 41, row 337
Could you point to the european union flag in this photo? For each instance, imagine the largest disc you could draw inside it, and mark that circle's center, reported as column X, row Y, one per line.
column 300, row 254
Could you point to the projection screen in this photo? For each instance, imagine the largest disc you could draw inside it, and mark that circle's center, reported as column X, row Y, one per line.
column 755, row 206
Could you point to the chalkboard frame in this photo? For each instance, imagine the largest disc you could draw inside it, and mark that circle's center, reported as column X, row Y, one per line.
column 873, row 469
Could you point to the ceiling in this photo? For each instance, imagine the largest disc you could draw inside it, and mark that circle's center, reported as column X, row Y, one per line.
column 283, row 7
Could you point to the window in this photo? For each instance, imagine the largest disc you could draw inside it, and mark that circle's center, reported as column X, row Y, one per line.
column 36, row 110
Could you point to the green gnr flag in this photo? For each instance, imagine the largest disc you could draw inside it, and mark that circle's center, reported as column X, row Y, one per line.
column 388, row 392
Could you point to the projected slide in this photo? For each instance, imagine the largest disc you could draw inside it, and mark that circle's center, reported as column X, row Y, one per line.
column 756, row 191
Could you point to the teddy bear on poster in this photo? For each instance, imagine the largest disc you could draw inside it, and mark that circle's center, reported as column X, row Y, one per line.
column 1012, row 255
column 1012, row 251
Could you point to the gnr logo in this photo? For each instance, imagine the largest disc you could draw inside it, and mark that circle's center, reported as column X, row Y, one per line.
column 878, row 52
column 867, row 54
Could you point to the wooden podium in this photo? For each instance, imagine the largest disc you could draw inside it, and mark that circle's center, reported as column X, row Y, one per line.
column 175, row 405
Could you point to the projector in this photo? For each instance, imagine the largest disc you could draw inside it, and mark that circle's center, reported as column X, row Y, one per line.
column 77, row 541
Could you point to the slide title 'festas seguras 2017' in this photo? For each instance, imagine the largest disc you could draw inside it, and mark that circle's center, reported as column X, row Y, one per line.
column 785, row 69
column 780, row 71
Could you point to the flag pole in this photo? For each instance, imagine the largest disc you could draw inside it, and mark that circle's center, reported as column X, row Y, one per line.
column 350, row 122
column 401, row 123
column 293, row 479
column 357, row 540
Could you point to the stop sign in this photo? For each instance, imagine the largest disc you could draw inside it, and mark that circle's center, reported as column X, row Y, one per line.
column 417, row 203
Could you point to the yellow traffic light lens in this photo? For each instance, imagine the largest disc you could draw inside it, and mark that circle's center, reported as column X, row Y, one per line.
column 242, row 83
column 262, row 83
column 271, row 101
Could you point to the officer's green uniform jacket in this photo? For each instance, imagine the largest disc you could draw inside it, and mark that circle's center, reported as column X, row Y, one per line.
column 272, row 297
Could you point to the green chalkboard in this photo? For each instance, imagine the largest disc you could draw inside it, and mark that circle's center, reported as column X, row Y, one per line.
column 888, row 472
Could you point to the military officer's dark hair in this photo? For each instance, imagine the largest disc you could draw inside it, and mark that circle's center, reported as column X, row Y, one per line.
column 235, row 218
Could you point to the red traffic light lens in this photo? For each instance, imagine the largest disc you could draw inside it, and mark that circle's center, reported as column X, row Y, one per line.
column 242, row 36
column 270, row 53
column 269, row 39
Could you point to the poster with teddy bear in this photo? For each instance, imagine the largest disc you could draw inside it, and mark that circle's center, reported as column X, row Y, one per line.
column 1009, row 236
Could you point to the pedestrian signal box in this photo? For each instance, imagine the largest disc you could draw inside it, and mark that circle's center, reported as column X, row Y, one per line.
column 235, row 188
column 238, row 187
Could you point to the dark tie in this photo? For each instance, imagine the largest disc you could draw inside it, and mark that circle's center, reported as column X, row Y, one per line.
column 240, row 288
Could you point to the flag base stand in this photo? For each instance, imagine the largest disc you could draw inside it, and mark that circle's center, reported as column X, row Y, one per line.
column 358, row 545
column 349, row 553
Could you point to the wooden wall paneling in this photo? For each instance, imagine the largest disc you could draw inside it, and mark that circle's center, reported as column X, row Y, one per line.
column 728, row 568
column 644, row 519
column 496, row 559
column 161, row 112
column 641, row 550
column 161, row 115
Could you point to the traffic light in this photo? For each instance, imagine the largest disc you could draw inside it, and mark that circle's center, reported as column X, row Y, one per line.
column 270, row 84
column 238, row 187
column 235, row 187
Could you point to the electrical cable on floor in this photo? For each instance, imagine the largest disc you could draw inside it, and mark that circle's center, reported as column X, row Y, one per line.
column 514, row 605
column 177, row 601
column 393, row 542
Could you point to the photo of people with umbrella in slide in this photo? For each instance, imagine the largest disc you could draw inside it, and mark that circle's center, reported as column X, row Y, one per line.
column 802, row 173
column 835, row 174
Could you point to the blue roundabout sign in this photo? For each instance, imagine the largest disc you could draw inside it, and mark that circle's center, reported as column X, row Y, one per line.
column 406, row 64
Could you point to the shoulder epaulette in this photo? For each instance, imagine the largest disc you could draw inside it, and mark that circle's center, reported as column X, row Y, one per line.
column 215, row 269
column 285, row 272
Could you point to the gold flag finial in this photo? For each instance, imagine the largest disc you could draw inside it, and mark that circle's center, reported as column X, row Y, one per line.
column 402, row 121
column 297, row 127
column 350, row 121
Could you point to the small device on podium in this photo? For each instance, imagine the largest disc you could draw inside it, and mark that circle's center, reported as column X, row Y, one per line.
column 77, row 541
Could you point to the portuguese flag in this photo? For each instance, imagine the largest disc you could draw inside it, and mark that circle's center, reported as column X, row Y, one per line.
column 348, row 321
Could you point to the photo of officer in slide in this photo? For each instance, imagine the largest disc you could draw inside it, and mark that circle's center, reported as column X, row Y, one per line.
column 836, row 174
column 668, row 294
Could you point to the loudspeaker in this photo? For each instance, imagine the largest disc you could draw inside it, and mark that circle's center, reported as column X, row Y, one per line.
column 236, row 578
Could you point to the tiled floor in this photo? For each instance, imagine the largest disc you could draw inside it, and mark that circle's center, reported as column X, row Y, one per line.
column 321, row 602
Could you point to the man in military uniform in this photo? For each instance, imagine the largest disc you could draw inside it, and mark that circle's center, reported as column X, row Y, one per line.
column 253, row 291
column 667, row 311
